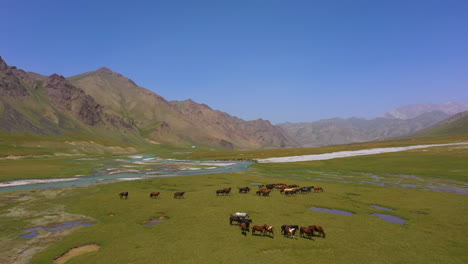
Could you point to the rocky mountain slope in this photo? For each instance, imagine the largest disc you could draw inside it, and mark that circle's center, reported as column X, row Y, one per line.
column 106, row 104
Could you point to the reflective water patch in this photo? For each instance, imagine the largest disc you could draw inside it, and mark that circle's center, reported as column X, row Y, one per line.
column 391, row 218
column 381, row 208
column 332, row 211
column 33, row 231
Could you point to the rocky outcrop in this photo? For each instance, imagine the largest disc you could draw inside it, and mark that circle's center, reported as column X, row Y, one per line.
column 71, row 99
column 10, row 81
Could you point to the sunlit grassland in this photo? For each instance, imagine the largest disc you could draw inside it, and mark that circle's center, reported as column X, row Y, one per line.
column 450, row 162
column 268, row 153
column 198, row 230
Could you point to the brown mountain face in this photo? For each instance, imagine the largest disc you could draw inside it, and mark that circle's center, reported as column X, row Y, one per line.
column 257, row 133
column 10, row 81
column 106, row 103
column 69, row 98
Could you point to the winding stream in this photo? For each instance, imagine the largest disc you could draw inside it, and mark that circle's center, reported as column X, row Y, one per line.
column 126, row 168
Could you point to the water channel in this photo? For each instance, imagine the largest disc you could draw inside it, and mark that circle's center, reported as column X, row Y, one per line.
column 126, row 168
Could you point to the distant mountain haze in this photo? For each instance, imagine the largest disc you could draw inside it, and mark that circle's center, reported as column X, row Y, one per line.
column 414, row 110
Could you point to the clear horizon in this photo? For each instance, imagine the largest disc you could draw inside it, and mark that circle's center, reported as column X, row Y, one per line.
column 294, row 61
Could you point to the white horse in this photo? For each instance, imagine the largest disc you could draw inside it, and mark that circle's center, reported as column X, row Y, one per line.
column 241, row 214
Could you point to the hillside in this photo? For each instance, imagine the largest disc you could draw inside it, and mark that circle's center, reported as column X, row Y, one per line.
column 454, row 125
column 106, row 105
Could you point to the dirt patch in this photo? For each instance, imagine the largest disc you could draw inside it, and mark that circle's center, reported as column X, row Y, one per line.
column 76, row 251
column 274, row 250
column 155, row 221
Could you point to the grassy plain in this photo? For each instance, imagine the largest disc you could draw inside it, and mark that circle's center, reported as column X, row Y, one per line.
column 198, row 229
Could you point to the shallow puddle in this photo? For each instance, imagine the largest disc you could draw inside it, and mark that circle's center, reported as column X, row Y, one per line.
column 391, row 218
column 381, row 208
column 155, row 221
column 33, row 231
column 332, row 211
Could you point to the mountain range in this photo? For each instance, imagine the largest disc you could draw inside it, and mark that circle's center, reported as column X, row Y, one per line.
column 106, row 105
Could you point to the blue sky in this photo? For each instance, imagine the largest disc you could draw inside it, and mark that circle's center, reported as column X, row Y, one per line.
column 294, row 61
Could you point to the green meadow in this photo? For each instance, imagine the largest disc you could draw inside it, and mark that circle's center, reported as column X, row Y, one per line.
column 198, row 231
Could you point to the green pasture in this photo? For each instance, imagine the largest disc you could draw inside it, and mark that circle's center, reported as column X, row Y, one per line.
column 198, row 229
column 449, row 162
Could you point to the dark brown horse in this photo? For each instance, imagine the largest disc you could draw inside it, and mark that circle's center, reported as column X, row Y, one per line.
column 245, row 226
column 306, row 231
column 257, row 228
column 237, row 219
column 123, row 194
column 154, row 194
column 318, row 189
column 244, row 189
column 179, row 195
column 318, row 229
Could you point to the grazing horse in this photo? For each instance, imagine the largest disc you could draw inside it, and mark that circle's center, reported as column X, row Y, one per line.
column 306, row 189
column 318, row 189
column 270, row 186
column 307, row 231
column 290, row 231
column 237, row 219
column 154, row 194
column 318, row 229
column 245, row 226
column 268, row 229
column 257, row 228
column 264, row 192
column 243, row 215
column 283, row 227
column 123, row 194
column 179, row 195
column 244, row 189
column 218, row 192
column 280, row 186
column 289, row 191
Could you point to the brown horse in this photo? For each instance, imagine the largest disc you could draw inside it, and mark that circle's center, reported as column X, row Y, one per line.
column 318, row 189
column 123, row 194
column 179, row 195
column 308, row 231
column 237, row 219
column 289, row 232
column 257, row 228
column 154, row 194
column 268, row 229
column 264, row 192
column 318, row 229
column 245, row 226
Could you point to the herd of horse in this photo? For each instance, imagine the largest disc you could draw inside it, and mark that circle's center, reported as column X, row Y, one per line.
column 288, row 231
column 263, row 190
column 153, row 195
column 264, row 230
